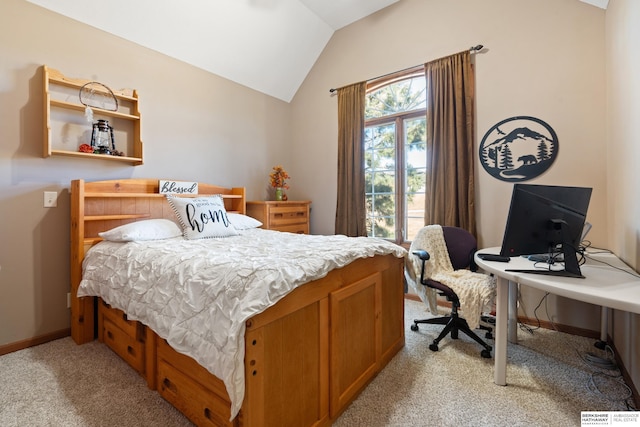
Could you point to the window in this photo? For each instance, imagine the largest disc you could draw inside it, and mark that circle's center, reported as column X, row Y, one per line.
column 395, row 155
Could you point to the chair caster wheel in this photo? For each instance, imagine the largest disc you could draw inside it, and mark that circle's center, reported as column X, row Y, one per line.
column 433, row 347
column 414, row 327
column 486, row 354
column 488, row 336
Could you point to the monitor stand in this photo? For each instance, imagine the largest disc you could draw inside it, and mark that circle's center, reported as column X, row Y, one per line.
column 571, row 266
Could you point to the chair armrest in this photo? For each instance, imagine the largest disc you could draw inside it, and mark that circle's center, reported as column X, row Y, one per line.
column 424, row 256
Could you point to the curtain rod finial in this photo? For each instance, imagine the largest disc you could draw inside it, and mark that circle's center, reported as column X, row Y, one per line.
column 477, row 47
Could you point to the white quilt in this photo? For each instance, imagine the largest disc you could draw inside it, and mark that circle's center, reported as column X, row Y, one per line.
column 197, row 294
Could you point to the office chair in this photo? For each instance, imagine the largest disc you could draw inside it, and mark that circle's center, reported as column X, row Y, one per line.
column 458, row 270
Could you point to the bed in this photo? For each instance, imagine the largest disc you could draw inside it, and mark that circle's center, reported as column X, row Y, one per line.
column 304, row 356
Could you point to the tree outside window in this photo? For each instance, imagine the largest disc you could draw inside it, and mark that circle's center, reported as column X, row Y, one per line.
column 395, row 156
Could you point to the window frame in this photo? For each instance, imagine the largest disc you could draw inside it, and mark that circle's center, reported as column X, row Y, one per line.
column 398, row 120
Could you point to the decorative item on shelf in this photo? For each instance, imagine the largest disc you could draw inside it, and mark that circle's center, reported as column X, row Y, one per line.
column 85, row 148
column 97, row 95
column 278, row 179
column 102, row 139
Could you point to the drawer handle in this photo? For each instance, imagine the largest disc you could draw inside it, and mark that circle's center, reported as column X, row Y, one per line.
column 278, row 215
column 169, row 385
column 207, row 413
column 110, row 335
column 300, row 213
column 131, row 351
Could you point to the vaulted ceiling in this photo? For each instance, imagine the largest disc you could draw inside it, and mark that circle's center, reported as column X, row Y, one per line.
column 267, row 45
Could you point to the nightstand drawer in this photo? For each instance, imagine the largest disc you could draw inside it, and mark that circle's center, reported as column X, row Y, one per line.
column 294, row 228
column 287, row 215
column 291, row 216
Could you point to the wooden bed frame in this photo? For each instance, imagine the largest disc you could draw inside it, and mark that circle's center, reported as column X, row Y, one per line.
column 306, row 357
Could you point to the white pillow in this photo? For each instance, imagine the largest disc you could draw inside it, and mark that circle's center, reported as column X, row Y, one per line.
column 202, row 217
column 243, row 222
column 148, row 229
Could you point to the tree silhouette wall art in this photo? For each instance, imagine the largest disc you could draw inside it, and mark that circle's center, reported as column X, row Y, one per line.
column 518, row 149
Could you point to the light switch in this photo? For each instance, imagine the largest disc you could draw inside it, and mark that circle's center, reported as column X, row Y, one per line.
column 50, row 199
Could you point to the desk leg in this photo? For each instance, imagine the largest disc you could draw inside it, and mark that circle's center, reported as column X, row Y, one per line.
column 502, row 313
column 603, row 323
column 604, row 317
column 512, row 326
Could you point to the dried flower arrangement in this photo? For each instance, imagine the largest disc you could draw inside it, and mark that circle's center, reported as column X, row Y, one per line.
column 278, row 176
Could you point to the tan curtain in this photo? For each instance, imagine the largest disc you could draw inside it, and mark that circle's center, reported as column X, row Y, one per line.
column 450, row 142
column 350, row 208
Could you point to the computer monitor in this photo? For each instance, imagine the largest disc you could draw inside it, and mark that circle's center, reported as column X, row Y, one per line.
column 545, row 219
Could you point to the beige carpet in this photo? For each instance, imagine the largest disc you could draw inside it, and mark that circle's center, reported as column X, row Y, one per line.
column 62, row 384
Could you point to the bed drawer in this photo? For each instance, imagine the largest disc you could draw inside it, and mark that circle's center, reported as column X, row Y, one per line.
column 127, row 347
column 198, row 403
column 119, row 318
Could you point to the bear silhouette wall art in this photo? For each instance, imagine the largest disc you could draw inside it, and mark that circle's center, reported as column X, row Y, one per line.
column 518, row 148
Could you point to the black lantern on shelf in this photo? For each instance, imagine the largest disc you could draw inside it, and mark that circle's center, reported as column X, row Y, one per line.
column 102, row 140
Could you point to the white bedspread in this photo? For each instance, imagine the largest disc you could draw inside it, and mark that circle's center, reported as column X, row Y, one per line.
column 197, row 294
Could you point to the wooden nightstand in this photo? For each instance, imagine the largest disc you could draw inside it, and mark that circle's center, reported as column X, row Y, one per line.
column 291, row 216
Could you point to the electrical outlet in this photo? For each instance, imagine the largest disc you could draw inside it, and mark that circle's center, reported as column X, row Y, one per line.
column 50, row 199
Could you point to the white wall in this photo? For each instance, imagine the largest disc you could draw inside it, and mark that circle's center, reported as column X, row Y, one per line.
column 545, row 58
column 623, row 155
column 195, row 127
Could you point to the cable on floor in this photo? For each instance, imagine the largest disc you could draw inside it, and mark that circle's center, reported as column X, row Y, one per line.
column 528, row 328
column 600, row 364
column 609, row 364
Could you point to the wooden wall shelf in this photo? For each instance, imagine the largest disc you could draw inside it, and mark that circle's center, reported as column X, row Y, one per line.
column 66, row 128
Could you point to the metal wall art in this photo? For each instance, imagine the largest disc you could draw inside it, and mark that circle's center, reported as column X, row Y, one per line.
column 518, row 149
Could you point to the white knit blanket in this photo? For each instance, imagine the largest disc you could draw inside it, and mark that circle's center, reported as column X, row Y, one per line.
column 475, row 290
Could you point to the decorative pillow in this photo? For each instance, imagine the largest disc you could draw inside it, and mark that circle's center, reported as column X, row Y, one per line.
column 148, row 229
column 243, row 222
column 202, row 217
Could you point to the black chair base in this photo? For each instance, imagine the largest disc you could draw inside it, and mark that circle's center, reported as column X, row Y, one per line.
column 454, row 324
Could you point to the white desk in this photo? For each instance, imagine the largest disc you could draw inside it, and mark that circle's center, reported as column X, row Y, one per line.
column 602, row 285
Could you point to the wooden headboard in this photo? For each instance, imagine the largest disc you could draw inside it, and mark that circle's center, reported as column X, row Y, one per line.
column 102, row 205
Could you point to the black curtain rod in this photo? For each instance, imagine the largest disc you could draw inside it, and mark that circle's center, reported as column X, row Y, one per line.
column 472, row 49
